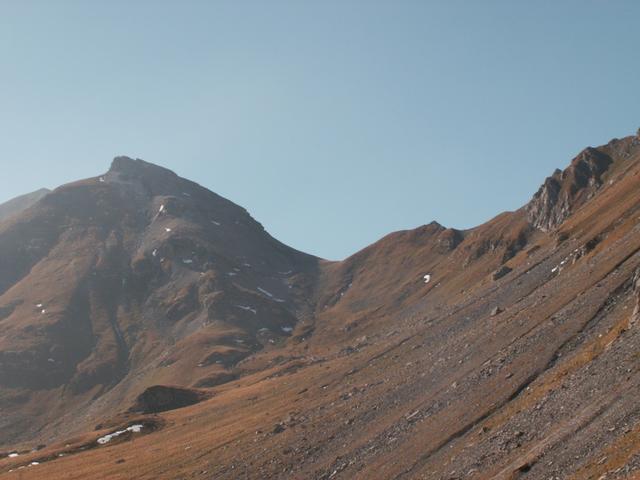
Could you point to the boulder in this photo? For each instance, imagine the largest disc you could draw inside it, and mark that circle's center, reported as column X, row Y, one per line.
column 501, row 272
column 160, row 398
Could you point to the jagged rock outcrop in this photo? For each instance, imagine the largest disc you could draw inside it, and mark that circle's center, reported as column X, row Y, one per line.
column 565, row 191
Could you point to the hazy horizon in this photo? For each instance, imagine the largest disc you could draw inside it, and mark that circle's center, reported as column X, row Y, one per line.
column 333, row 124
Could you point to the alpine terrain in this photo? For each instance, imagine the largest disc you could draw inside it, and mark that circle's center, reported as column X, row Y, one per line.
column 151, row 329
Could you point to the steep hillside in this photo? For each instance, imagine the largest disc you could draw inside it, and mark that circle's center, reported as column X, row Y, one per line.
column 505, row 351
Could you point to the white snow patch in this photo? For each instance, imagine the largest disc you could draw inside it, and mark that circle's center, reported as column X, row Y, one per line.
column 34, row 463
column 155, row 252
column 270, row 295
column 39, row 305
column 265, row 292
column 13, row 455
column 161, row 209
column 287, row 329
column 44, row 311
column 248, row 309
column 107, row 438
column 216, row 223
column 167, row 229
column 101, row 179
column 427, row 278
column 188, row 261
column 555, row 269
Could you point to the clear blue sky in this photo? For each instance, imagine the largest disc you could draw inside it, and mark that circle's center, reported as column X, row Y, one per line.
column 332, row 122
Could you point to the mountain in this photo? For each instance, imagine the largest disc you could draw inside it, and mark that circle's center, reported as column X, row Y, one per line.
column 152, row 329
column 132, row 279
column 18, row 204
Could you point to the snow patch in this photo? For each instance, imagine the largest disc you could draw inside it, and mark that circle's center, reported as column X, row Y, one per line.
column 13, row 455
column 265, row 292
column 167, row 229
column 248, row 309
column 188, row 261
column 270, row 295
column 427, row 278
column 287, row 329
column 217, row 224
column 107, row 438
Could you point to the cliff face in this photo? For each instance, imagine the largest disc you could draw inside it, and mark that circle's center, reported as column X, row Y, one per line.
column 564, row 191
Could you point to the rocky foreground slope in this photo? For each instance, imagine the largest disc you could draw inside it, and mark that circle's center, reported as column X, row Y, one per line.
column 151, row 329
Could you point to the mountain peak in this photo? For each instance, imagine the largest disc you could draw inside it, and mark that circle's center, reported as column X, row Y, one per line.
column 137, row 167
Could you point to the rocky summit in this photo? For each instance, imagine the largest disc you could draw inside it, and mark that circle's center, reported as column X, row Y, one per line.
column 152, row 329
